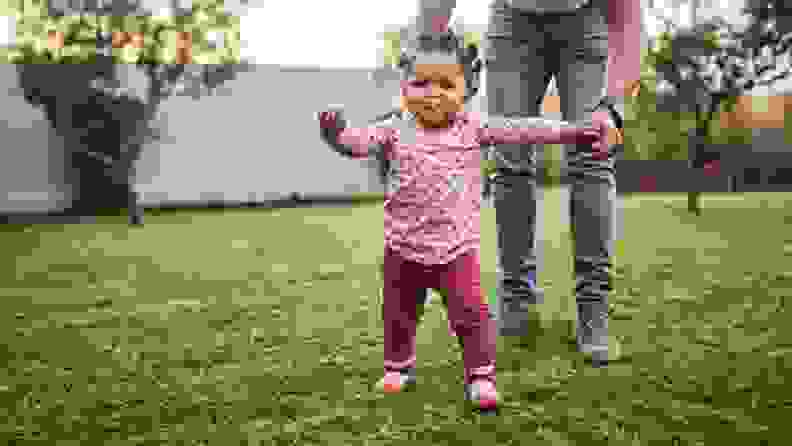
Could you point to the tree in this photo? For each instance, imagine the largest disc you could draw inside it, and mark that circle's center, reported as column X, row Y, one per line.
column 95, row 57
column 710, row 65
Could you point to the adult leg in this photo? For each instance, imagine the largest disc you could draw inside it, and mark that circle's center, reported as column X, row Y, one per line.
column 517, row 76
column 421, row 301
column 134, row 207
column 581, row 83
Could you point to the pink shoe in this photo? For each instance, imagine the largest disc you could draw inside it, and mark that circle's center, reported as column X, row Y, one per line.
column 395, row 382
column 451, row 330
column 483, row 395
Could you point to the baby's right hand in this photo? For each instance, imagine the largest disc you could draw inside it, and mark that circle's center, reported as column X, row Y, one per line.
column 333, row 119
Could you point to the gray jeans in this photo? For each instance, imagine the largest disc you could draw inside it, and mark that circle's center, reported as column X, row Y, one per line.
column 524, row 51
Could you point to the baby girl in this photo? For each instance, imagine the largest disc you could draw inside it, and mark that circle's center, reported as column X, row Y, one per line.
column 432, row 207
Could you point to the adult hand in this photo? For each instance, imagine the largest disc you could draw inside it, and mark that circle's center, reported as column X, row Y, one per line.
column 606, row 111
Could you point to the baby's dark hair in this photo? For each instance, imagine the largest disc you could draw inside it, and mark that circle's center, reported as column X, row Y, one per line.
column 447, row 43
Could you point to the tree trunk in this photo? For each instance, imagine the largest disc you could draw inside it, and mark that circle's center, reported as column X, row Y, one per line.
column 694, row 153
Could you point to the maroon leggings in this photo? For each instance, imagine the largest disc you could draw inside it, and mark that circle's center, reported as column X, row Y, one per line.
column 467, row 310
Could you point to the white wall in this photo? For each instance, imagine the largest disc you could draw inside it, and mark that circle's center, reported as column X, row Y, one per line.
column 32, row 167
column 258, row 142
column 261, row 141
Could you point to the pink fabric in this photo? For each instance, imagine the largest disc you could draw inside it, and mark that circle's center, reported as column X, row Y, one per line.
column 624, row 44
column 468, row 312
column 433, row 215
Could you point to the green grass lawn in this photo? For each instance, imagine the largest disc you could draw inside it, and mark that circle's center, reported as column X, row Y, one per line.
column 262, row 327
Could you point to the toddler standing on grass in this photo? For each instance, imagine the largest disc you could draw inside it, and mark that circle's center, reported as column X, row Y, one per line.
column 432, row 206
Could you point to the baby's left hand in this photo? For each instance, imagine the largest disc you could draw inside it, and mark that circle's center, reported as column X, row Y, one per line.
column 599, row 135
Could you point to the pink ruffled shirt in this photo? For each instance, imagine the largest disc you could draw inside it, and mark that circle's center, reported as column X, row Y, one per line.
column 433, row 206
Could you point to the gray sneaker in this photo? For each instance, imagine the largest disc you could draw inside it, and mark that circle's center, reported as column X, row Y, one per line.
column 592, row 332
column 516, row 315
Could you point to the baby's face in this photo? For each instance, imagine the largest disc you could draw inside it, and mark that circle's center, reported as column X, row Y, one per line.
column 434, row 92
